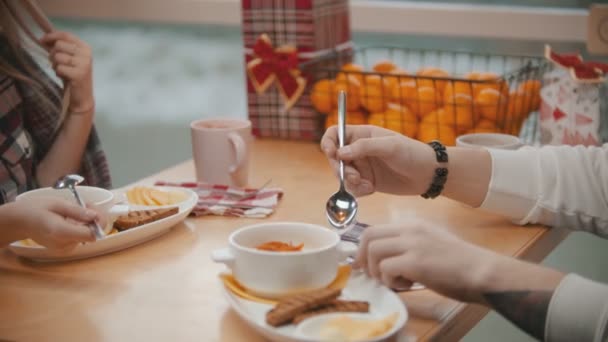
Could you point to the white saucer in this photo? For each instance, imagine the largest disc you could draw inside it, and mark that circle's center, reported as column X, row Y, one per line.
column 382, row 300
column 114, row 242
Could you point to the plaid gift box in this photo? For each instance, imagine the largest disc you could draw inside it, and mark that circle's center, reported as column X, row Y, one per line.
column 278, row 36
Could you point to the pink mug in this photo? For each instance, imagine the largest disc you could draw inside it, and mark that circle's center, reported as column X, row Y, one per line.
column 221, row 148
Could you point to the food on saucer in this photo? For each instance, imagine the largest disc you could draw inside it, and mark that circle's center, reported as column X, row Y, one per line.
column 345, row 328
column 297, row 308
column 29, row 243
column 140, row 217
column 336, row 305
column 289, row 307
column 280, row 246
column 140, row 195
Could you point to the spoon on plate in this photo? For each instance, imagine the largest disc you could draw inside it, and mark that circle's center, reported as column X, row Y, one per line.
column 341, row 208
column 69, row 182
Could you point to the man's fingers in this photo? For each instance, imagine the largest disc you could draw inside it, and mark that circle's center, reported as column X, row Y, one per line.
column 381, row 249
column 329, row 142
column 353, row 134
column 371, row 234
column 393, row 272
column 368, row 147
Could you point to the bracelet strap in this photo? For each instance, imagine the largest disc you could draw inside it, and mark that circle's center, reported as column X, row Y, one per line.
column 441, row 173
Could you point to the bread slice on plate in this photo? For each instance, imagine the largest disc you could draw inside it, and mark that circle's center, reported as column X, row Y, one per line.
column 140, row 217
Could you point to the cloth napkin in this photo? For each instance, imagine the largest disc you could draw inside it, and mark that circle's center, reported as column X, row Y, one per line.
column 223, row 200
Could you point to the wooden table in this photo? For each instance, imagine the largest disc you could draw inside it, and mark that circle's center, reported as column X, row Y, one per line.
column 168, row 289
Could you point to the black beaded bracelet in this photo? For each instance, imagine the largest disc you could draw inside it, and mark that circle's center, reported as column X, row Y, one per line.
column 441, row 173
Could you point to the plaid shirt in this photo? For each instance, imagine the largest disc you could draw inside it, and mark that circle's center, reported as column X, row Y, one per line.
column 27, row 132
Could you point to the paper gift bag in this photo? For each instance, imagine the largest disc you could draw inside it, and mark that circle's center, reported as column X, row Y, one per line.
column 574, row 107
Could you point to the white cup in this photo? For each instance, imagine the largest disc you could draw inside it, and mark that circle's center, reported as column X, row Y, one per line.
column 277, row 274
column 489, row 140
column 100, row 199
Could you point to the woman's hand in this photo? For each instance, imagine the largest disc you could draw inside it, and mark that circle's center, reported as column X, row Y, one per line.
column 51, row 222
column 73, row 62
column 378, row 159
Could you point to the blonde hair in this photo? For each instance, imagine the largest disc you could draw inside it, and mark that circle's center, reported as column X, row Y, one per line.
column 25, row 52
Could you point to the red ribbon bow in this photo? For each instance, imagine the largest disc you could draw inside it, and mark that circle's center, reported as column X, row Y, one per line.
column 280, row 64
column 581, row 71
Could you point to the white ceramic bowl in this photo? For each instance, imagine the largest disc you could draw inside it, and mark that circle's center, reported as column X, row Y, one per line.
column 99, row 199
column 276, row 274
column 489, row 140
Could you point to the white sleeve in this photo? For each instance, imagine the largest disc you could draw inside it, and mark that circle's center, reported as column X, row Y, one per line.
column 578, row 311
column 560, row 186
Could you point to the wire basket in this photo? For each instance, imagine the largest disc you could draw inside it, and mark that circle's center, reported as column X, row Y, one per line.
column 429, row 94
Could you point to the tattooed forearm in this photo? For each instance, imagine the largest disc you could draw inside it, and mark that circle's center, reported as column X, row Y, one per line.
column 525, row 309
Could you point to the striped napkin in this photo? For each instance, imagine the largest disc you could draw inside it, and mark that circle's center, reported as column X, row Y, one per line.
column 223, row 200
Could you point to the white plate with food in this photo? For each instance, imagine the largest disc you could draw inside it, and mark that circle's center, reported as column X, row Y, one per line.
column 385, row 318
column 142, row 214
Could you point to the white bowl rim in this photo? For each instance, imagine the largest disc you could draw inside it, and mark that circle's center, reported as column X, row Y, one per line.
column 512, row 139
column 234, row 244
column 39, row 190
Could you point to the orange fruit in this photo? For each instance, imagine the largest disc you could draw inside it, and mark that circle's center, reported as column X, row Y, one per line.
column 484, row 126
column 373, row 94
column 473, row 75
column 531, row 92
column 429, row 131
column 398, row 76
column 491, row 104
column 481, row 130
column 372, row 80
column 397, row 118
column 516, row 108
column 434, row 126
column 435, row 117
column 353, row 69
column 322, row 94
column 384, row 66
column 427, row 100
column 425, row 81
column 456, row 87
column 352, row 87
column 352, row 118
column 459, row 112
column 404, row 92
column 490, row 80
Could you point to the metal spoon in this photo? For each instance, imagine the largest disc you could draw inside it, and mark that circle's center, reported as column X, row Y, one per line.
column 341, row 208
column 70, row 182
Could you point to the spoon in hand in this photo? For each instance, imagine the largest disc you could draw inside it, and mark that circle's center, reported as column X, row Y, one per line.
column 341, row 208
column 70, row 182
